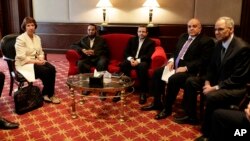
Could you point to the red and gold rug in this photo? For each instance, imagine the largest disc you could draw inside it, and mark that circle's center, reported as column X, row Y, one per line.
column 97, row 120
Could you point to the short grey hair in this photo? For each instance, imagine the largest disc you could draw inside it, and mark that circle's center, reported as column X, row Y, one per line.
column 229, row 21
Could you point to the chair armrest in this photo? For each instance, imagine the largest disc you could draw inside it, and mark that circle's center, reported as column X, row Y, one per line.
column 158, row 58
column 11, row 65
column 72, row 57
column 12, row 69
column 8, row 59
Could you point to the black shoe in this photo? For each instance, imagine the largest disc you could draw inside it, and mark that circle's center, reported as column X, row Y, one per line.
column 152, row 106
column 85, row 93
column 143, row 98
column 103, row 96
column 5, row 124
column 117, row 97
column 186, row 120
column 163, row 114
column 201, row 138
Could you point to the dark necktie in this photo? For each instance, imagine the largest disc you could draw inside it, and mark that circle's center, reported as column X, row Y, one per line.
column 223, row 52
column 182, row 52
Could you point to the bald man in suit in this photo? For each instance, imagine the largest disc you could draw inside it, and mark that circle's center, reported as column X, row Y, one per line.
column 193, row 52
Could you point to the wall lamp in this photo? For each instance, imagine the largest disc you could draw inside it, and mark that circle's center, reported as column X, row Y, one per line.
column 104, row 4
column 151, row 4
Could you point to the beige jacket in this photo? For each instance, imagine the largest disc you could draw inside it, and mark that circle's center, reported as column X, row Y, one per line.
column 26, row 50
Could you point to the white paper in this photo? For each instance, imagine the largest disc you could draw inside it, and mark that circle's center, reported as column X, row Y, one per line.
column 167, row 73
column 97, row 74
column 107, row 77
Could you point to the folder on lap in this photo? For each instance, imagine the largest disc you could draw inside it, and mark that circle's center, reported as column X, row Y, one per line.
column 166, row 74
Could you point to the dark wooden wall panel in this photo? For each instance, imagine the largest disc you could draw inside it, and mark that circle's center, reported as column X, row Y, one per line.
column 57, row 37
column 58, row 43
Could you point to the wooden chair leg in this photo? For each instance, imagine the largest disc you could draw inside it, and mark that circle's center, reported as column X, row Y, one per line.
column 11, row 85
column 202, row 106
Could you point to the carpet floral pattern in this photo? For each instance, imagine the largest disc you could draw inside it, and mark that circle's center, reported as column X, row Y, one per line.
column 97, row 120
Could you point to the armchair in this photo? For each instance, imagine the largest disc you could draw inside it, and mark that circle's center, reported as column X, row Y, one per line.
column 9, row 53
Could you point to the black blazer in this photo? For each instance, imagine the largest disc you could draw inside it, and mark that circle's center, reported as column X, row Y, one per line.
column 232, row 72
column 146, row 51
column 100, row 47
column 198, row 55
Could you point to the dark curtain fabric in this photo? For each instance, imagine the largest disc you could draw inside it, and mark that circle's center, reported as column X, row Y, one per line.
column 245, row 21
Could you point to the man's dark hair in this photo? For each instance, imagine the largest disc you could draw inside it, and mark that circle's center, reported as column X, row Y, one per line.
column 93, row 25
column 144, row 26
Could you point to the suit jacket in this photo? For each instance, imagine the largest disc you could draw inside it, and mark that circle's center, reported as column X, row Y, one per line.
column 232, row 72
column 146, row 51
column 197, row 56
column 26, row 50
column 100, row 47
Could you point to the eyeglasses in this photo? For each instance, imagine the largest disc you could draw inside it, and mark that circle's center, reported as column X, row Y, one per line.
column 221, row 29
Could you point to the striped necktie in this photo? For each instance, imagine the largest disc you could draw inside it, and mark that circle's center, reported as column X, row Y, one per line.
column 183, row 51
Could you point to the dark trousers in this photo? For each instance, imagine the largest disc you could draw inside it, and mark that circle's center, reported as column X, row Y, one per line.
column 158, row 86
column 2, row 78
column 192, row 85
column 221, row 98
column 84, row 65
column 175, row 83
column 226, row 122
column 141, row 71
column 47, row 73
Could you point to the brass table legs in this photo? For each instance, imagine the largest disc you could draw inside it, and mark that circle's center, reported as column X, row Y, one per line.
column 73, row 104
column 123, row 105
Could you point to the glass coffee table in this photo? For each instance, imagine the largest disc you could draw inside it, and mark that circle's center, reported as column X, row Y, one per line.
column 113, row 85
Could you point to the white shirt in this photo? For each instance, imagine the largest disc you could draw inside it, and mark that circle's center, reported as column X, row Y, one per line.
column 226, row 44
column 91, row 42
column 138, row 50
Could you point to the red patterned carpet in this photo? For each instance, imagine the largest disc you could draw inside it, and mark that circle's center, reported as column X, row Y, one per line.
column 97, row 120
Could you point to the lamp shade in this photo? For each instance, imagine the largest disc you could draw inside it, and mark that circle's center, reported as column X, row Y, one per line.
column 104, row 4
column 151, row 3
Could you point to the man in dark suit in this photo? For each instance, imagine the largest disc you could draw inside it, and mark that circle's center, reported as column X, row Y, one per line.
column 5, row 124
column 227, row 74
column 192, row 53
column 93, row 51
column 138, row 56
column 228, row 124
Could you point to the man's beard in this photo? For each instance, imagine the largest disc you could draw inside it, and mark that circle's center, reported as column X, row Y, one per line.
column 92, row 36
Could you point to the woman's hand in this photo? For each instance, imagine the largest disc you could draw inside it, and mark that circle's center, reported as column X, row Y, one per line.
column 40, row 62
